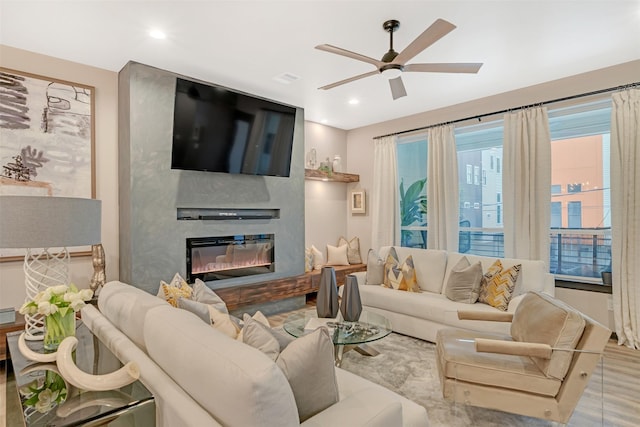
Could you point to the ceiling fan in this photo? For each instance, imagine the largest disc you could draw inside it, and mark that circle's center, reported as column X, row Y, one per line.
column 394, row 63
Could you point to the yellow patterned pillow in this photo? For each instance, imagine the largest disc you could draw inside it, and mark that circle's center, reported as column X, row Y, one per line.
column 400, row 276
column 499, row 289
column 172, row 293
column 495, row 268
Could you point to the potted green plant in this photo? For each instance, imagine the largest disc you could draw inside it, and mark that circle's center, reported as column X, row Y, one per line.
column 413, row 207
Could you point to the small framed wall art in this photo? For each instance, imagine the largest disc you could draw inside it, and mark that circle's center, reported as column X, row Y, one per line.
column 358, row 202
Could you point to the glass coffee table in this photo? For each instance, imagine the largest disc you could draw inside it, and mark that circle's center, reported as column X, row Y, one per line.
column 345, row 335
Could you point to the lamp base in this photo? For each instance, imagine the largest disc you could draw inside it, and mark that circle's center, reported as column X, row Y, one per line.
column 42, row 270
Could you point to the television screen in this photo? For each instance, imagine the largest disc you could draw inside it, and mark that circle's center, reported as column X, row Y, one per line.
column 219, row 130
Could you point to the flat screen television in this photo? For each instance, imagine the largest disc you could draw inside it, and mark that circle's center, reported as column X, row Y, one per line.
column 219, row 130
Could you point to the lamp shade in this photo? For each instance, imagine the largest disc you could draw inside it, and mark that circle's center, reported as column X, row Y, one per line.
column 45, row 222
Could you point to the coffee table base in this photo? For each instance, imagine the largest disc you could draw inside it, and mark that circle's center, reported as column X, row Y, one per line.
column 363, row 349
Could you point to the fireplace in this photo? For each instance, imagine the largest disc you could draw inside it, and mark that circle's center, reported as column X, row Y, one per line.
column 226, row 257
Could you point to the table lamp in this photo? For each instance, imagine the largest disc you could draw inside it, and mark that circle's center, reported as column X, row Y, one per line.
column 45, row 227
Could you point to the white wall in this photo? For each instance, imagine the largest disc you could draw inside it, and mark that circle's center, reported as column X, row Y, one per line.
column 12, row 291
column 360, row 145
column 326, row 207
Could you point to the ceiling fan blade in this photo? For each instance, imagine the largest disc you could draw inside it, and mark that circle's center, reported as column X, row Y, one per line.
column 350, row 79
column 435, row 32
column 461, row 67
column 397, row 88
column 339, row 51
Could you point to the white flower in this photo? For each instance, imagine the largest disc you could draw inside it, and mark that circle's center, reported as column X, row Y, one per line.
column 46, row 398
column 45, row 308
column 58, row 290
column 86, row 294
column 77, row 304
column 26, row 308
column 71, row 296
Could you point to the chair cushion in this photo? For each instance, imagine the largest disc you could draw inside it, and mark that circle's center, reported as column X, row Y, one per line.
column 540, row 318
column 458, row 359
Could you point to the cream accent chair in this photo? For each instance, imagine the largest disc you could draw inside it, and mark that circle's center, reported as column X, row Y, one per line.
column 540, row 370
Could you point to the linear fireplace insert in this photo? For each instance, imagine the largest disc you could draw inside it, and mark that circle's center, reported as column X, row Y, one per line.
column 226, row 257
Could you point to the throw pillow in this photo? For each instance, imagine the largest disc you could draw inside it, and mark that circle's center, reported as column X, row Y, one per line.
column 256, row 335
column 353, row 249
column 199, row 309
column 400, row 276
column 258, row 316
column 223, row 323
column 172, row 293
column 499, row 289
column 375, row 268
column 176, row 282
column 308, row 363
column 337, row 255
column 494, row 269
column 202, row 293
column 464, row 282
column 318, row 258
column 308, row 260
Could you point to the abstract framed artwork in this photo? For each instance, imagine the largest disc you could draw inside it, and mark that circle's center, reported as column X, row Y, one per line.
column 358, row 202
column 47, row 140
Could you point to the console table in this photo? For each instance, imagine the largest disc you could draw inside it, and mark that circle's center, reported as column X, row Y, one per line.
column 274, row 290
column 130, row 405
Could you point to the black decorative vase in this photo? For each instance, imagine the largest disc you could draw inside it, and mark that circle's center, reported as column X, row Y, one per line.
column 327, row 301
column 351, row 306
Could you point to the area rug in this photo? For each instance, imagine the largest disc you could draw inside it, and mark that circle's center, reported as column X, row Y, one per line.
column 408, row 366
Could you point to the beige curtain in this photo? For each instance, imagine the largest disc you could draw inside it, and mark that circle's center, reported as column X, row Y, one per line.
column 625, row 215
column 442, row 189
column 526, row 184
column 385, row 227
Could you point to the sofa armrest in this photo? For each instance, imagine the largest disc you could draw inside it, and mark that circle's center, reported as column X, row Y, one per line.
column 515, row 348
column 359, row 410
column 495, row 316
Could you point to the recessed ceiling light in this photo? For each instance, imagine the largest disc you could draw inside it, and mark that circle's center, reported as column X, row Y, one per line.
column 286, row 78
column 354, row 101
column 157, row 34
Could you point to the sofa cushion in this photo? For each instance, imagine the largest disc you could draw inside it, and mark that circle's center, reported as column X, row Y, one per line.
column 199, row 309
column 458, row 359
column 202, row 293
column 399, row 276
column 235, row 383
column 430, row 265
column 269, row 341
column 353, row 249
column 375, row 268
column 308, row 364
column 542, row 319
column 126, row 307
column 464, row 282
column 318, row 258
column 498, row 290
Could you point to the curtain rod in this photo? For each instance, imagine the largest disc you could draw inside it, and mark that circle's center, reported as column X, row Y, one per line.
column 480, row 116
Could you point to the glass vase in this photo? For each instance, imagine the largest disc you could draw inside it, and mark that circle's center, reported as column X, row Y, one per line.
column 57, row 327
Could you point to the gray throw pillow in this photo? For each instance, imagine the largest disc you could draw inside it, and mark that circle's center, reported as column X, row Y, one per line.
column 464, row 282
column 202, row 293
column 308, row 364
column 375, row 268
column 199, row 309
column 265, row 339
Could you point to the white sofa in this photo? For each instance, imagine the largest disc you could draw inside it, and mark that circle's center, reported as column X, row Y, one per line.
column 422, row 314
column 201, row 377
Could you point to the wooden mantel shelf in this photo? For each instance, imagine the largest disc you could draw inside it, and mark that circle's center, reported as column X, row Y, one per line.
column 317, row 175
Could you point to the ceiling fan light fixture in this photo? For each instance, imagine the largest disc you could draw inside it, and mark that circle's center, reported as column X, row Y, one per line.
column 391, row 71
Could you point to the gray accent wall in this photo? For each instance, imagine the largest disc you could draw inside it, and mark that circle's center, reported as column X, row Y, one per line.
column 152, row 240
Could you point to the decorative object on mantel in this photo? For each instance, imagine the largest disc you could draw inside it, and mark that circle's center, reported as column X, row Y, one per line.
column 358, row 202
column 99, row 264
column 58, row 305
column 317, row 174
column 312, row 159
column 47, row 222
column 327, row 300
column 351, row 305
column 337, row 163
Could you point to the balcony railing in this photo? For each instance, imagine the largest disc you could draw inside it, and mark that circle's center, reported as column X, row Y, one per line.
column 580, row 254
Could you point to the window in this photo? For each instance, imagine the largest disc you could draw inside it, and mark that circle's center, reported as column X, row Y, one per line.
column 575, row 214
column 469, row 172
column 581, row 248
column 556, row 214
column 484, row 177
column 412, row 173
column 499, row 214
column 476, row 175
column 498, row 166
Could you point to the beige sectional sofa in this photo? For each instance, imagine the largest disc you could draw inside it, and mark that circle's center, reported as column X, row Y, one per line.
column 422, row 314
column 201, row 377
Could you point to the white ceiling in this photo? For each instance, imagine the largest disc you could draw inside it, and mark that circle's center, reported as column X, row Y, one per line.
column 245, row 44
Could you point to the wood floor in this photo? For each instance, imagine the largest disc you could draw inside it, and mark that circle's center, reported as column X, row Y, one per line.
column 620, row 386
